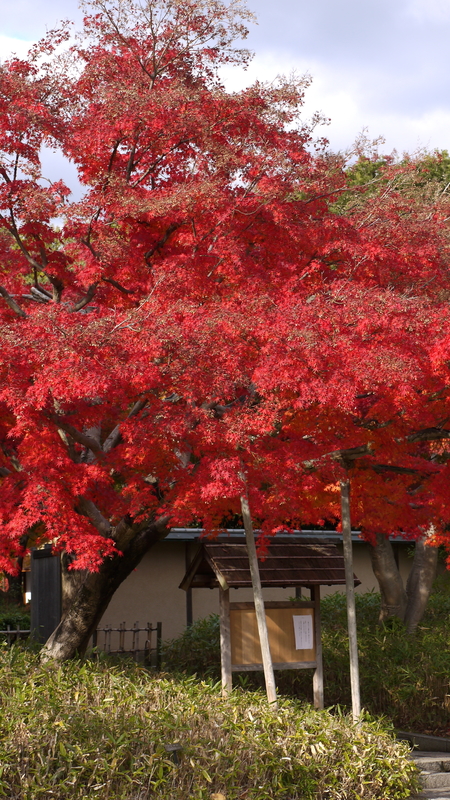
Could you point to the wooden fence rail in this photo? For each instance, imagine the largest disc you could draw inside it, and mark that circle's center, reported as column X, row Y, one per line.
column 123, row 640
column 14, row 634
column 115, row 641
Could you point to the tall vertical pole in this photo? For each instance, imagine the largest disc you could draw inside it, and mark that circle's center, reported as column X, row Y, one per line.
column 259, row 604
column 225, row 641
column 318, row 672
column 350, row 591
column 189, row 614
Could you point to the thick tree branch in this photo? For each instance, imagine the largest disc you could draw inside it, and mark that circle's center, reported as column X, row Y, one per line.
column 12, row 303
column 57, row 285
column 130, row 165
column 82, row 438
column 118, row 286
column 12, row 227
column 172, row 227
column 12, row 458
column 346, row 457
column 350, row 454
column 114, row 437
column 93, row 433
column 40, row 289
column 39, row 295
column 90, row 510
column 380, row 468
column 160, row 527
column 126, row 531
column 70, row 446
column 113, row 154
column 123, row 533
column 429, row 435
column 86, row 299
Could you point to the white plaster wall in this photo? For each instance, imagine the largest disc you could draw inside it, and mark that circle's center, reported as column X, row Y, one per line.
column 151, row 593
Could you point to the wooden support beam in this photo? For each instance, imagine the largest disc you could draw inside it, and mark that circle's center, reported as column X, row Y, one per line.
column 225, row 641
column 350, row 591
column 189, row 613
column 318, row 672
column 259, row 604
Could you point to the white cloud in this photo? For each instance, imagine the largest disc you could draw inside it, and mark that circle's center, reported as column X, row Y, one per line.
column 54, row 165
column 10, row 45
column 342, row 97
column 429, row 10
column 352, row 99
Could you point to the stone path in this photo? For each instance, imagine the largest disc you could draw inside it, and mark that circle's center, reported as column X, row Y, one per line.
column 435, row 774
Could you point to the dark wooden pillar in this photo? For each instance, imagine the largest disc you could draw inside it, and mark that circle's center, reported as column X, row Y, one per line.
column 45, row 593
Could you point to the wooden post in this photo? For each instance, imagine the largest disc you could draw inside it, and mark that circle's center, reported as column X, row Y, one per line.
column 189, row 614
column 350, row 590
column 225, row 641
column 259, row 604
column 318, row 672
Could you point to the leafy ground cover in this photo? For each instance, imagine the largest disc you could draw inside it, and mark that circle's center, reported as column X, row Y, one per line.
column 403, row 677
column 95, row 730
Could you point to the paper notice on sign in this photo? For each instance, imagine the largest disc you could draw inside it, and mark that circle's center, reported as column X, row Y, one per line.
column 303, row 631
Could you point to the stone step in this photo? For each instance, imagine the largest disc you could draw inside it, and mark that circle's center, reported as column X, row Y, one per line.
column 434, row 774
column 435, row 780
column 432, row 761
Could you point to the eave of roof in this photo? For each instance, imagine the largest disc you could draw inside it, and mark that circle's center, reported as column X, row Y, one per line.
column 288, row 564
column 193, row 534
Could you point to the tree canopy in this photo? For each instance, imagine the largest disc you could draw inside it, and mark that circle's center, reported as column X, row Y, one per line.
column 210, row 311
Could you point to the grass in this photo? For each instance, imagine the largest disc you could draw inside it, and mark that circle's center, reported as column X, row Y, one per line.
column 94, row 730
column 404, row 678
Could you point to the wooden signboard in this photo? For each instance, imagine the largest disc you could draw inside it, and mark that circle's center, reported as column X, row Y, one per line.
column 294, row 638
column 291, row 636
column 291, row 630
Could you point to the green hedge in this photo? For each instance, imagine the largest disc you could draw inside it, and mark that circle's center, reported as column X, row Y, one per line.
column 98, row 731
column 405, row 678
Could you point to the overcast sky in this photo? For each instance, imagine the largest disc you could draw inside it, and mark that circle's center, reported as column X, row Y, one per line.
column 376, row 64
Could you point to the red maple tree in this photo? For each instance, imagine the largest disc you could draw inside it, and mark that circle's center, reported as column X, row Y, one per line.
column 205, row 310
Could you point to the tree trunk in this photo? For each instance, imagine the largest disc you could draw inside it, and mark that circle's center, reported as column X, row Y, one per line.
column 407, row 605
column 86, row 595
column 393, row 595
column 419, row 583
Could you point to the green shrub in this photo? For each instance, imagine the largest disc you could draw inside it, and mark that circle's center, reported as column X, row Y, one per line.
column 97, row 731
column 15, row 617
column 196, row 651
column 405, row 678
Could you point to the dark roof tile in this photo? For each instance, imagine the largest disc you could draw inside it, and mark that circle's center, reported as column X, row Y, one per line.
column 287, row 563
